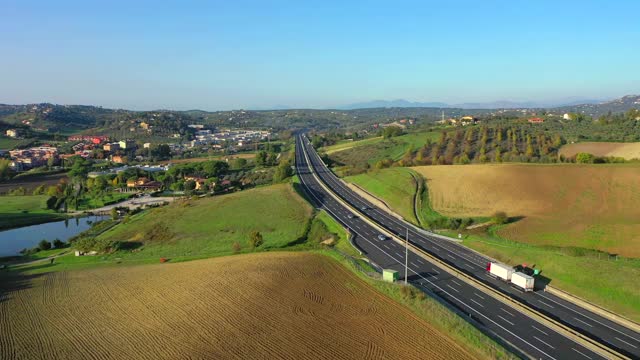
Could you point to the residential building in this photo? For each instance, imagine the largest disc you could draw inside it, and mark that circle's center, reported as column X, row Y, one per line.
column 119, row 159
column 127, row 144
column 111, row 147
column 536, row 120
column 14, row 133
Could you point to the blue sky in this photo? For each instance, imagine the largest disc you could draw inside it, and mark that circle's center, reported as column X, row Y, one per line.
column 217, row 55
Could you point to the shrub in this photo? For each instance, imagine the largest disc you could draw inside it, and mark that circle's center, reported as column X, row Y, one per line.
column 44, row 245
column 236, row 247
column 499, row 218
column 255, row 239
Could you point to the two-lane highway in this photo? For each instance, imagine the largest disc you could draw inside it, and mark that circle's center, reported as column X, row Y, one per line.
column 598, row 328
column 497, row 319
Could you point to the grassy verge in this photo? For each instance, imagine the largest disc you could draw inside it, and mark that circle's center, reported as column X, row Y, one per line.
column 17, row 211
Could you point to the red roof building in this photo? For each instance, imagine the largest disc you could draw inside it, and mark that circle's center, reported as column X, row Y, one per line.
column 536, row 120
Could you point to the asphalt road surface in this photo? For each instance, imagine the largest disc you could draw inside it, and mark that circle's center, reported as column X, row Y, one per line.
column 493, row 317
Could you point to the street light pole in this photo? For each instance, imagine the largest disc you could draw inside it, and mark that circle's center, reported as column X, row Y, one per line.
column 406, row 257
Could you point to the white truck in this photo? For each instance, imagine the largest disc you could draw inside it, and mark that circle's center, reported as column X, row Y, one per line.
column 500, row 271
column 522, row 281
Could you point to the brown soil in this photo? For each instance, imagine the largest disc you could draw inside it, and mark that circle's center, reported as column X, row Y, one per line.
column 258, row 306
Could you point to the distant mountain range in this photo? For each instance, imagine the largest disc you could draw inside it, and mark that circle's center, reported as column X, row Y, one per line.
column 400, row 103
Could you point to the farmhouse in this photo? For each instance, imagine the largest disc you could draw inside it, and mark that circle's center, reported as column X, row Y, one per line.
column 536, row 120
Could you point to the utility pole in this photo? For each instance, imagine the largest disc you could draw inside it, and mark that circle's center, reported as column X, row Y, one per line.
column 406, row 257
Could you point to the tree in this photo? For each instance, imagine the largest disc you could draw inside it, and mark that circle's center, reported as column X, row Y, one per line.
column 44, row 245
column 499, row 218
column 114, row 213
column 238, row 163
column 584, row 158
column 391, row 131
column 5, row 170
column 255, row 239
column 58, row 244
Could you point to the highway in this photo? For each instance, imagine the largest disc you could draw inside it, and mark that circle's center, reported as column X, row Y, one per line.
column 596, row 327
column 512, row 327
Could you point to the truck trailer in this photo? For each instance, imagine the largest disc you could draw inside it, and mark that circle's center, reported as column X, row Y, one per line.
column 522, row 281
column 500, row 271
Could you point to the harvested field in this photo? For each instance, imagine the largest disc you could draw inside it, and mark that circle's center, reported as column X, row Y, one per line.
column 590, row 206
column 279, row 305
column 624, row 150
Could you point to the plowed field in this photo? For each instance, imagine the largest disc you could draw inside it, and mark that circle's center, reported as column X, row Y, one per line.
column 590, row 206
column 257, row 306
column 624, row 150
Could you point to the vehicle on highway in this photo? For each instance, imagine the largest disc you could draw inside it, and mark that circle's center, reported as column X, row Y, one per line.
column 382, row 237
column 364, row 208
column 351, row 216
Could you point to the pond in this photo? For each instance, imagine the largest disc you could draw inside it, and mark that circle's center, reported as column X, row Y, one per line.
column 14, row 240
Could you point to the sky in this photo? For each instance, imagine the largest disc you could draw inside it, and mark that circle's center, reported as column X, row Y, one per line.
column 219, row 55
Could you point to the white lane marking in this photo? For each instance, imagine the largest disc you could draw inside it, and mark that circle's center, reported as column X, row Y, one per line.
column 477, row 303
column 385, row 245
column 435, row 271
column 478, row 296
column 590, row 318
column 412, row 263
column 633, row 346
column 544, row 342
column 402, row 257
column 451, row 257
column 588, row 357
column 420, row 261
column 586, row 323
column 512, row 324
column 469, row 266
column 539, row 330
column 544, row 303
column 507, row 312
column 455, row 282
column 435, row 277
column 451, row 295
column 452, row 288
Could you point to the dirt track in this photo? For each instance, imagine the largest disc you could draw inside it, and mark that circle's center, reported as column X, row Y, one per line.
column 279, row 305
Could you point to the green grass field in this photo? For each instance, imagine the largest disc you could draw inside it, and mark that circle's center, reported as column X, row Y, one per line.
column 202, row 228
column 395, row 186
column 7, row 143
column 17, row 211
column 376, row 149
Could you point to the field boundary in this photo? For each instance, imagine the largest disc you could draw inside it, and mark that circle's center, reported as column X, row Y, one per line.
column 577, row 337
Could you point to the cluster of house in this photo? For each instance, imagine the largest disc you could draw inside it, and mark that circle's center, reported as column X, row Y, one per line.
column 239, row 138
column 463, row 121
column 148, row 185
column 22, row 160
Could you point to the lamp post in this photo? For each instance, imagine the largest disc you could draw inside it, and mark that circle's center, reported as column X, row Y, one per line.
column 406, row 257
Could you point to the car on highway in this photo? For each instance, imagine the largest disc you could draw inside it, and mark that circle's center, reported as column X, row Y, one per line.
column 351, row 216
column 364, row 208
column 382, row 237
